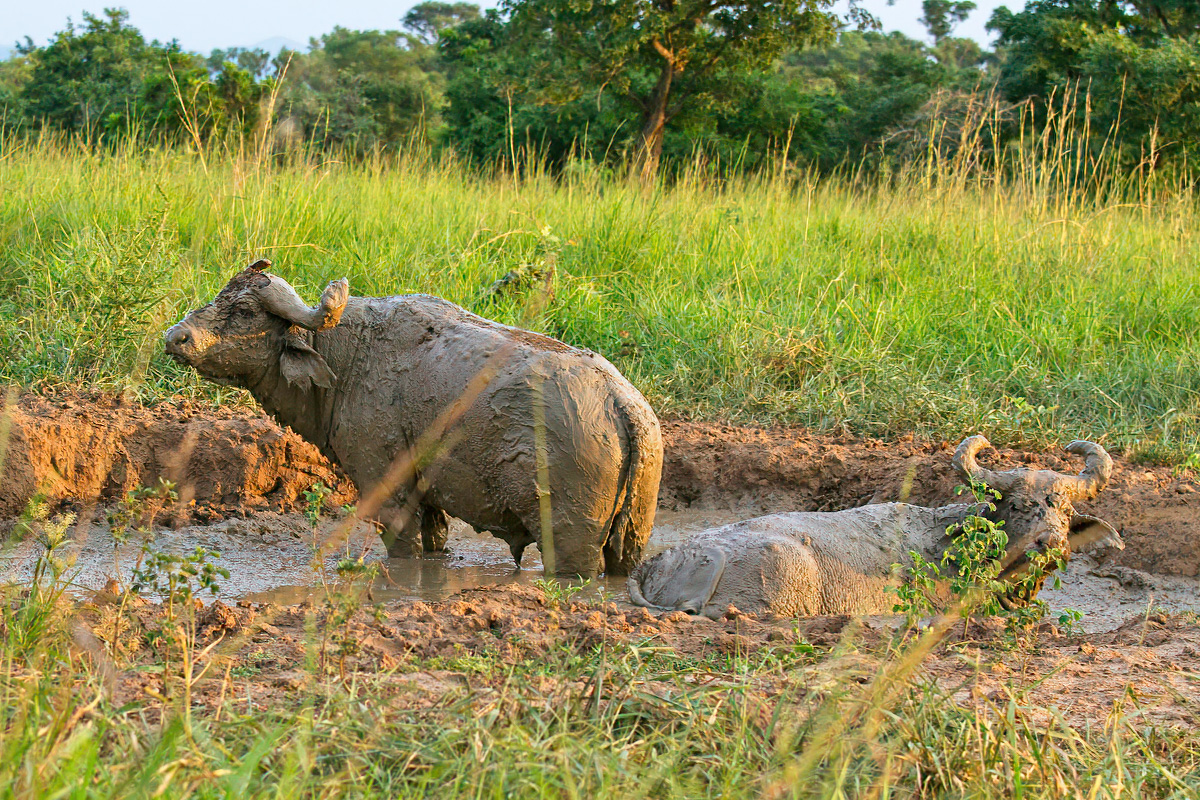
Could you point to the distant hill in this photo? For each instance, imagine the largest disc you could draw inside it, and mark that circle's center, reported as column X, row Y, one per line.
column 277, row 43
column 6, row 52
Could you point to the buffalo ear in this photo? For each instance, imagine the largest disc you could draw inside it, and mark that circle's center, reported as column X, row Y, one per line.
column 1091, row 533
column 302, row 366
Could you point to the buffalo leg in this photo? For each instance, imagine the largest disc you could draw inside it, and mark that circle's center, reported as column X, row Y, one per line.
column 401, row 531
column 573, row 547
column 412, row 528
column 435, row 528
column 517, row 544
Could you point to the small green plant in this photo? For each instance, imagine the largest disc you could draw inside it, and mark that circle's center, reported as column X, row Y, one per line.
column 177, row 578
column 558, row 594
column 137, row 510
column 917, row 592
column 1189, row 464
column 343, row 596
column 135, row 514
column 34, row 613
column 969, row 565
column 970, row 569
column 315, row 498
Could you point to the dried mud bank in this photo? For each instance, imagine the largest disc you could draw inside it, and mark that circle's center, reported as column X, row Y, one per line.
column 421, row 655
column 87, row 449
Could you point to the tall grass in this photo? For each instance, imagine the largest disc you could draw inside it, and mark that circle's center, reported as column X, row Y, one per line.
column 577, row 721
column 1034, row 295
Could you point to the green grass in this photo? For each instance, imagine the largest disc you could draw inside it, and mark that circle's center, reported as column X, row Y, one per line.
column 940, row 306
column 577, row 721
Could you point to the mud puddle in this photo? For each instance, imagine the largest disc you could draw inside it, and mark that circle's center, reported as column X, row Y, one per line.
column 270, row 559
column 241, row 482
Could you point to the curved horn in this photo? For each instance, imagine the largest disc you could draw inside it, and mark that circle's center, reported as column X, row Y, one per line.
column 1097, row 469
column 281, row 299
column 964, row 461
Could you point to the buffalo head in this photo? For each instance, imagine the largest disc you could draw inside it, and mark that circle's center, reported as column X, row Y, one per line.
column 255, row 326
column 1036, row 505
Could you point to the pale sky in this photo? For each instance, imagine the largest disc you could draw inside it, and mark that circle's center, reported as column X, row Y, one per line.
column 208, row 24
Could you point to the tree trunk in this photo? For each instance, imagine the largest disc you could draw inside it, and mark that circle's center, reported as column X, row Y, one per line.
column 654, row 121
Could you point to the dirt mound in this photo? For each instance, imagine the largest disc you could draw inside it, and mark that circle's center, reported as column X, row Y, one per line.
column 86, row 449
column 760, row 470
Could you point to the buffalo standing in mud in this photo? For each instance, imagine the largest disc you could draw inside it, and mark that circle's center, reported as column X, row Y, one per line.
column 444, row 412
column 811, row 563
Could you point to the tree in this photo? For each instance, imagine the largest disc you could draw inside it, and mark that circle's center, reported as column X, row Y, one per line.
column 1138, row 61
column 427, row 20
column 89, row 79
column 661, row 56
column 255, row 61
column 871, row 86
column 940, row 17
column 14, row 74
column 491, row 115
column 362, row 89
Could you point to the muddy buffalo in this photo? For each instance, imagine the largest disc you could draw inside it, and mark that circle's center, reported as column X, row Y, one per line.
column 801, row 564
column 444, row 412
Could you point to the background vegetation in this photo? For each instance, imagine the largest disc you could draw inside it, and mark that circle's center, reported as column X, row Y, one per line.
column 620, row 83
column 1056, row 302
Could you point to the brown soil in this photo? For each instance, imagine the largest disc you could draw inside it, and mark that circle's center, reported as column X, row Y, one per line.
column 84, row 449
column 415, row 652
column 81, row 450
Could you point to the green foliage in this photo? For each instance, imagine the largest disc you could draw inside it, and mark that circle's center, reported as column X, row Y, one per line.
column 941, row 16
column 1137, row 61
column 315, row 498
column 137, row 510
column 871, row 85
column 658, row 61
column 916, row 596
column 555, row 83
column 253, row 61
column 429, row 19
column 970, row 570
column 89, row 79
column 177, row 578
column 36, row 615
column 362, row 90
column 557, row 594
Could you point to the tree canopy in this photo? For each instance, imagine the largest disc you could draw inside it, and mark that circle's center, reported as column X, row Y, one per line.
column 634, row 82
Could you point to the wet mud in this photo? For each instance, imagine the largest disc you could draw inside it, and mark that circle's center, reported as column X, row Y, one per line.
column 242, row 478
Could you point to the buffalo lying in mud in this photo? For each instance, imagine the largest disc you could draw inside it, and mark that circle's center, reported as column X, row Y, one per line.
column 433, row 410
column 811, row 563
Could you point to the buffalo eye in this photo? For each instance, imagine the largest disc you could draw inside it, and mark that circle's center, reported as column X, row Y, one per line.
column 244, row 310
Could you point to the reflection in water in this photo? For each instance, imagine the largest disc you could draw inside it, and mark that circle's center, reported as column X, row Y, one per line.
column 474, row 559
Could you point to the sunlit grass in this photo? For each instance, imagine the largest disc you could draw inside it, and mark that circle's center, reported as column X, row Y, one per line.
column 929, row 306
column 597, row 720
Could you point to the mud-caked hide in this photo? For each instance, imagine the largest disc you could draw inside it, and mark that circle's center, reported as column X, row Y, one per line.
column 809, row 563
column 432, row 410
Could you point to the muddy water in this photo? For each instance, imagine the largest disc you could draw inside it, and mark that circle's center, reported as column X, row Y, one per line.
column 270, row 558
